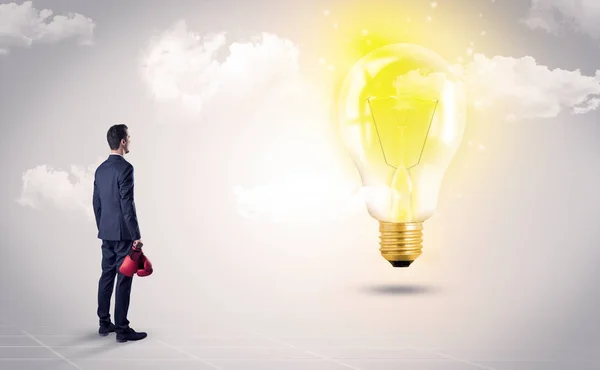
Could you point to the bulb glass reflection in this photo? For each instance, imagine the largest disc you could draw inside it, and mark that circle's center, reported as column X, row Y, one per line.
column 402, row 119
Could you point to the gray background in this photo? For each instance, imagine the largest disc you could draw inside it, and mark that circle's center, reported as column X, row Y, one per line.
column 509, row 272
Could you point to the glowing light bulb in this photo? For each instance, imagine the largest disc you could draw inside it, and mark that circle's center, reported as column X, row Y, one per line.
column 402, row 118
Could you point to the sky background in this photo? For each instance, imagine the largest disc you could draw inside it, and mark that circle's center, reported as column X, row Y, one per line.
column 249, row 206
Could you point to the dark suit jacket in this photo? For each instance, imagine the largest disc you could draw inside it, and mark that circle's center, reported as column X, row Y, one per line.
column 114, row 207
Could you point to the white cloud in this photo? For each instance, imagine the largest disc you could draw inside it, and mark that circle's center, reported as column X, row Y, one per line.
column 44, row 186
column 22, row 25
column 553, row 16
column 182, row 69
column 591, row 105
column 521, row 88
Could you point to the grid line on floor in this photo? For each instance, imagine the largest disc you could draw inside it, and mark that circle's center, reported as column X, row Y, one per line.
column 312, row 353
column 441, row 354
column 189, row 354
column 50, row 349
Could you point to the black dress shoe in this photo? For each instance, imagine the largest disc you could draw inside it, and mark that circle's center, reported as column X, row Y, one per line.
column 129, row 334
column 104, row 330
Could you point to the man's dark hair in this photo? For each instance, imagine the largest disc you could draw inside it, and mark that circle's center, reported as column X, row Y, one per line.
column 115, row 134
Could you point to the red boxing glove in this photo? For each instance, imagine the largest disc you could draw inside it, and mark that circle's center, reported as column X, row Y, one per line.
column 144, row 266
column 130, row 264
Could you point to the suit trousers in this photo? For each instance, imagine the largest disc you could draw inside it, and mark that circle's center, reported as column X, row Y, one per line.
column 113, row 254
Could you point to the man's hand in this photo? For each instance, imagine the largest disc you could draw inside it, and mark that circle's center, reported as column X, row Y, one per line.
column 138, row 244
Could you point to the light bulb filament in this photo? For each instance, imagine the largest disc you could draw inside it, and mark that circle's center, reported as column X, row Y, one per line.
column 400, row 143
column 402, row 124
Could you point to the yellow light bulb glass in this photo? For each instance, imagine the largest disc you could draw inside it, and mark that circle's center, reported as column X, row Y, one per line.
column 402, row 117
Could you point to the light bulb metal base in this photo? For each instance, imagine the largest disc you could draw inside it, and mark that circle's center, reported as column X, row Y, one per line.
column 401, row 242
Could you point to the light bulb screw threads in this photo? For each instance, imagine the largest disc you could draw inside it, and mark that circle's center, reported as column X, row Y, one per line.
column 401, row 242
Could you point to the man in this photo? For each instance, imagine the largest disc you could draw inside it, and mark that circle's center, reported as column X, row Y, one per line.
column 118, row 229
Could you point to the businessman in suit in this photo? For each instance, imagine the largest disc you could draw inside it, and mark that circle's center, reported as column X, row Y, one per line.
column 117, row 223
